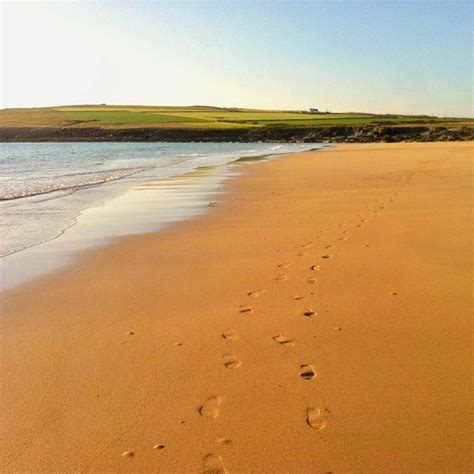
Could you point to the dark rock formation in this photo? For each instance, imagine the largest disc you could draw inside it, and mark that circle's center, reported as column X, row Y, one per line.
column 330, row 134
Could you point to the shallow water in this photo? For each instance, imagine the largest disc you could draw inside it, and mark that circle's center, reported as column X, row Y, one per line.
column 57, row 199
column 45, row 186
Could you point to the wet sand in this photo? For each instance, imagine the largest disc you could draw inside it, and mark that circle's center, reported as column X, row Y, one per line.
column 316, row 320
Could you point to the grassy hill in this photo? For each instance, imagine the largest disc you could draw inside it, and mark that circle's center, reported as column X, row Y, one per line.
column 199, row 117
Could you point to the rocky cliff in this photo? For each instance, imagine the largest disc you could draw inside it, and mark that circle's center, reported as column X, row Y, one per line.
column 336, row 134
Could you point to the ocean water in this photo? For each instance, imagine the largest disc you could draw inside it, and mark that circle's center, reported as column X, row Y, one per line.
column 52, row 194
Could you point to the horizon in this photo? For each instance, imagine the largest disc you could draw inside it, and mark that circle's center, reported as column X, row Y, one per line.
column 397, row 58
column 228, row 107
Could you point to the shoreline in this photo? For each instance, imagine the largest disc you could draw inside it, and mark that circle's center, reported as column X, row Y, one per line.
column 100, row 226
column 147, row 205
column 304, row 324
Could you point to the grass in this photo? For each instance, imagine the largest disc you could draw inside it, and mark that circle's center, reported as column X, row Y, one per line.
column 198, row 117
column 123, row 117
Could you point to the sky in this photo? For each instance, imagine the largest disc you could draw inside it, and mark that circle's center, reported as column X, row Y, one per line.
column 399, row 56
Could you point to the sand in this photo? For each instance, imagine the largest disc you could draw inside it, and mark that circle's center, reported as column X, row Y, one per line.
column 317, row 319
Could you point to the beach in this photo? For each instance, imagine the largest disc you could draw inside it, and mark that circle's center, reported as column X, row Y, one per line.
column 316, row 319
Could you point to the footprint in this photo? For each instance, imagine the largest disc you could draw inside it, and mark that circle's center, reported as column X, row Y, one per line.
column 256, row 293
column 210, row 408
column 224, row 441
column 282, row 340
column 230, row 334
column 246, row 309
column 130, row 333
column 311, row 280
column 326, row 256
column 313, row 418
column 315, row 268
column 231, row 361
column 307, row 372
column 128, row 454
column 285, row 265
column 159, row 446
column 309, row 312
column 281, row 278
column 213, row 464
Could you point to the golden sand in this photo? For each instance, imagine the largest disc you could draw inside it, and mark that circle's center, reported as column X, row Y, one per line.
column 316, row 320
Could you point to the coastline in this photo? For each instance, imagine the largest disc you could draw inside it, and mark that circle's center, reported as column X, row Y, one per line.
column 147, row 207
column 153, row 197
column 125, row 351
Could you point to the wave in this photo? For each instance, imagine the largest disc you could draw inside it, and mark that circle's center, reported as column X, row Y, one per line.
column 86, row 180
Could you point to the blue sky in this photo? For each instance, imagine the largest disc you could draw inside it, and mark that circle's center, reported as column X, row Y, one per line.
column 375, row 56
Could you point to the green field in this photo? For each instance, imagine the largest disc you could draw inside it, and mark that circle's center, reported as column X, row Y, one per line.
column 198, row 117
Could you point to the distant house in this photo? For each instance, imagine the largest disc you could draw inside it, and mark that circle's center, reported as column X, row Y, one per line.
column 314, row 111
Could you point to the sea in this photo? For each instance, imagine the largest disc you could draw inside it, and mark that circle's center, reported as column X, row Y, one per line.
column 58, row 198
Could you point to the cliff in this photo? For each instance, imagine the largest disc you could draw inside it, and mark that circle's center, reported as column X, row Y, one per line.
column 330, row 134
